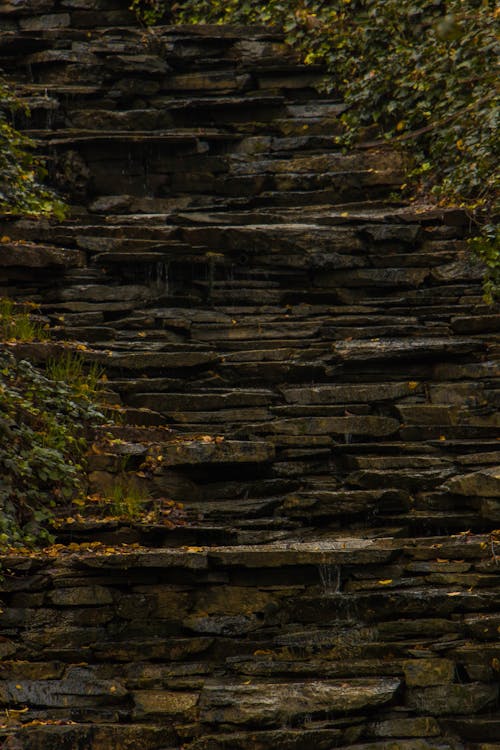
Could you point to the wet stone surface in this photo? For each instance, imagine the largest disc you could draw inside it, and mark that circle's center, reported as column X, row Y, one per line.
column 308, row 368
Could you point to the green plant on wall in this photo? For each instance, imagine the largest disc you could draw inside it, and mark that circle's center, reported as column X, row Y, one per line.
column 16, row 324
column 22, row 191
column 43, row 424
column 71, row 368
column 126, row 498
column 420, row 75
column 41, row 446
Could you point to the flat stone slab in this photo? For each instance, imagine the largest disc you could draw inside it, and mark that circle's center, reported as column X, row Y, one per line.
column 156, row 360
column 348, row 551
column 28, row 255
column 454, row 700
column 332, row 503
column 345, row 394
column 203, row 401
column 404, row 348
column 281, row 739
column 217, row 451
column 269, row 703
column 485, row 483
column 363, row 425
column 194, row 558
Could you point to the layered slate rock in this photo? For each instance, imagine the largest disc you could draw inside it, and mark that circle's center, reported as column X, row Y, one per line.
column 282, row 642
column 305, row 364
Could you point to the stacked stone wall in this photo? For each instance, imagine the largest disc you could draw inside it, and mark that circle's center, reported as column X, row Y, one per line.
column 302, row 361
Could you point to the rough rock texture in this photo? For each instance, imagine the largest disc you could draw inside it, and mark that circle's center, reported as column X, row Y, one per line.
column 309, row 368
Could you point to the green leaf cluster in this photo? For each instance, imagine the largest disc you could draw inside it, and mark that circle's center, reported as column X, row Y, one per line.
column 43, row 425
column 421, row 75
column 148, row 12
column 22, row 191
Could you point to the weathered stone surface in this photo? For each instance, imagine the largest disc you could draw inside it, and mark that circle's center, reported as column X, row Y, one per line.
column 192, row 558
column 269, row 703
column 429, row 414
column 398, row 349
column 39, row 256
column 476, row 323
column 478, row 728
column 284, row 739
column 165, row 703
column 202, row 401
column 490, row 509
column 408, row 479
column 485, row 483
column 426, row 672
column 384, row 277
column 138, row 361
column 453, row 700
column 333, row 503
column 131, row 737
column 45, row 22
column 302, row 553
column 215, row 451
column 348, row 394
column 78, row 687
column 81, row 596
column 101, row 293
column 366, row 425
column 458, row 270
column 413, row 727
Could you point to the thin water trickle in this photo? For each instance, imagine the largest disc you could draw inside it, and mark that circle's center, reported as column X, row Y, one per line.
column 127, row 168
column 146, row 185
column 331, row 578
column 157, row 276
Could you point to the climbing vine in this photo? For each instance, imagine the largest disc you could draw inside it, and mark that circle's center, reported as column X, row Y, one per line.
column 420, row 75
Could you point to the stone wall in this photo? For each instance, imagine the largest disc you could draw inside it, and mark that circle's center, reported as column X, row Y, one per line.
column 366, row 643
column 301, row 360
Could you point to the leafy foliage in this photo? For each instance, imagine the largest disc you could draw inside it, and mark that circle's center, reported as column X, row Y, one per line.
column 21, row 172
column 148, row 12
column 42, row 442
column 421, row 75
column 485, row 246
column 44, row 418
